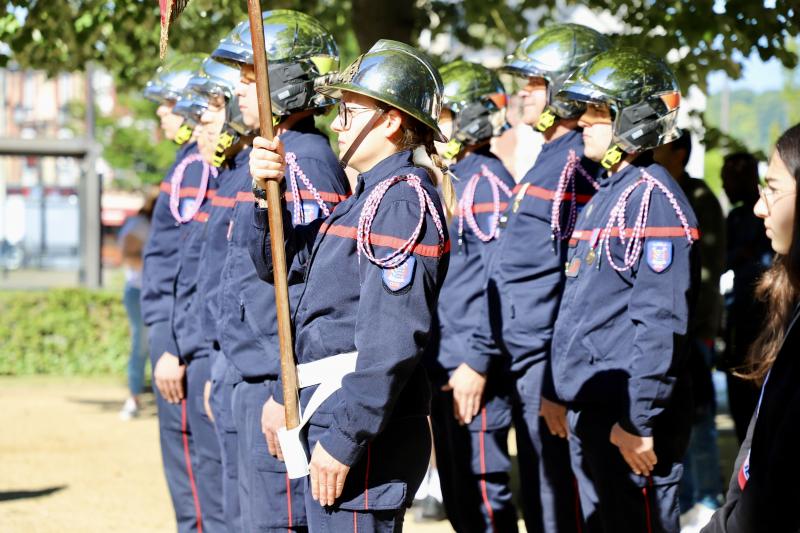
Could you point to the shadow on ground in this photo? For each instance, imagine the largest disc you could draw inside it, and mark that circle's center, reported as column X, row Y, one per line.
column 147, row 408
column 11, row 495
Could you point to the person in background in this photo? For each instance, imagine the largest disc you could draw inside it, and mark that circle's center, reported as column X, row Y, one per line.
column 748, row 255
column 700, row 491
column 132, row 238
column 763, row 491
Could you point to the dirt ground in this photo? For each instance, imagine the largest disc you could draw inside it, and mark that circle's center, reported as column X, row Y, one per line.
column 68, row 464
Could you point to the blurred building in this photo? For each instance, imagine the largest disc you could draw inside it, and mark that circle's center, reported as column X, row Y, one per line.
column 39, row 207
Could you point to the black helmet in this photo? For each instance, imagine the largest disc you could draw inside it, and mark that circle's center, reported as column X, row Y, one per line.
column 477, row 99
column 642, row 93
column 299, row 50
column 553, row 53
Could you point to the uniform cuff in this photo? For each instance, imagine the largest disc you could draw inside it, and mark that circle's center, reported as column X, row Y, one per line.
column 639, row 429
column 478, row 363
column 341, row 447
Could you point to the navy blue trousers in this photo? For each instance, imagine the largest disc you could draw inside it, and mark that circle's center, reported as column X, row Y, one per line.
column 269, row 500
column 473, row 461
column 380, row 486
column 223, row 379
column 548, row 495
column 206, row 459
column 613, row 498
column 176, row 439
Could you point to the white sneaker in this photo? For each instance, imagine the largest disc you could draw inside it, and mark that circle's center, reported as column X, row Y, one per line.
column 129, row 410
column 703, row 516
column 688, row 518
column 696, row 518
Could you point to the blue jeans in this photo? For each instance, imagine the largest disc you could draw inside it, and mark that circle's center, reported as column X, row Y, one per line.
column 701, row 482
column 138, row 355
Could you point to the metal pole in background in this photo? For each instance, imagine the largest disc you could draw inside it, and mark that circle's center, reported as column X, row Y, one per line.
column 91, row 274
column 42, row 211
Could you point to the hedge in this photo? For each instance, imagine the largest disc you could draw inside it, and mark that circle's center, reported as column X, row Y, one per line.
column 68, row 332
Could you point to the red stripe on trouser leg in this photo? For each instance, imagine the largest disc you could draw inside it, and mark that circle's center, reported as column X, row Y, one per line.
column 189, row 471
column 578, row 513
column 649, row 523
column 289, row 498
column 484, row 493
column 366, row 477
column 355, row 522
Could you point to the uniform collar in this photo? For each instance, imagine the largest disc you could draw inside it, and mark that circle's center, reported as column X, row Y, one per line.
column 630, row 170
column 307, row 125
column 242, row 157
column 472, row 159
column 565, row 142
column 384, row 169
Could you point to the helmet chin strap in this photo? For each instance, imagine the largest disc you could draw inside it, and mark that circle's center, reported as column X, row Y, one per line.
column 452, row 149
column 360, row 138
column 184, row 134
column 612, row 156
column 546, row 120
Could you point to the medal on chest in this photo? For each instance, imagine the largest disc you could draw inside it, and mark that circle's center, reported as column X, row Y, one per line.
column 593, row 240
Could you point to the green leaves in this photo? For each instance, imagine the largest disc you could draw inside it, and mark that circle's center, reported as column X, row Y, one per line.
column 66, row 332
column 62, row 35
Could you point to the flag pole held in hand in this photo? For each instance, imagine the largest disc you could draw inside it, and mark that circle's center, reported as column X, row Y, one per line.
column 274, row 208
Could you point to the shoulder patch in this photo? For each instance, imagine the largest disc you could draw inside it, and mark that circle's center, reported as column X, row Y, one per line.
column 310, row 210
column 659, row 254
column 186, row 207
column 399, row 278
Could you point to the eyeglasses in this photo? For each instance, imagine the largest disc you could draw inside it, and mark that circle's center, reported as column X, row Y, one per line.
column 346, row 113
column 770, row 196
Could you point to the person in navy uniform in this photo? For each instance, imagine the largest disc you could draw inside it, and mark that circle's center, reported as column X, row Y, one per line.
column 182, row 186
column 214, row 83
column 369, row 275
column 300, row 50
column 232, row 152
column 619, row 356
column 470, row 428
column 525, row 274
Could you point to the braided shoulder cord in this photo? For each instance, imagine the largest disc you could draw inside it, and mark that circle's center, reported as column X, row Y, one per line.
column 633, row 248
column 298, row 216
column 175, row 187
column 567, row 181
column 370, row 210
column 467, row 202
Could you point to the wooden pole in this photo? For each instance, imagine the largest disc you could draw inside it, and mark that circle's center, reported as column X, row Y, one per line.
column 274, row 212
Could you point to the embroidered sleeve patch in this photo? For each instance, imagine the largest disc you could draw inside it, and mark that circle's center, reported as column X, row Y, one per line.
column 659, row 254
column 399, row 278
column 186, row 206
column 310, row 211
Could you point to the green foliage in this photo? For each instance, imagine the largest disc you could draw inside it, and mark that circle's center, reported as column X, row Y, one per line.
column 123, row 36
column 66, row 332
column 756, row 119
column 713, row 168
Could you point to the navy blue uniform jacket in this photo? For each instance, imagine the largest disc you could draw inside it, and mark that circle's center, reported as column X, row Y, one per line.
column 161, row 253
column 462, row 301
column 526, row 265
column 248, row 319
column 349, row 303
column 619, row 336
column 193, row 332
